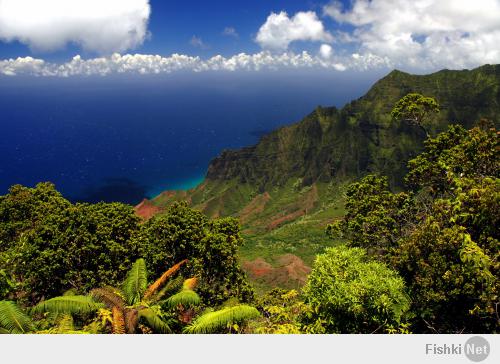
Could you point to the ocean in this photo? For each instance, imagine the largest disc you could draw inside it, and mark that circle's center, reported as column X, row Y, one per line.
column 125, row 138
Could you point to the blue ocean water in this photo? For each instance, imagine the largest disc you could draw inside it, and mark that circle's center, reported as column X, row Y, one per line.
column 123, row 138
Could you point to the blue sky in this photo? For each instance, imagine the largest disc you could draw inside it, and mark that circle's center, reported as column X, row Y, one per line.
column 418, row 35
column 173, row 24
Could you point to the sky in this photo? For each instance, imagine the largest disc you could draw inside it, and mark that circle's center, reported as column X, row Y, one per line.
column 64, row 38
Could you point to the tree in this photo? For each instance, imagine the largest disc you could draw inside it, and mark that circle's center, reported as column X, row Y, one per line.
column 79, row 246
column 49, row 245
column 415, row 109
column 24, row 208
column 210, row 245
column 442, row 236
column 455, row 153
column 375, row 217
column 130, row 304
column 349, row 293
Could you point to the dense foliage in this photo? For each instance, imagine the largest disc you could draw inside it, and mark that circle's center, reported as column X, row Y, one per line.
column 48, row 245
column 133, row 306
column 416, row 109
column 167, row 305
column 349, row 293
column 442, row 236
column 210, row 245
column 285, row 312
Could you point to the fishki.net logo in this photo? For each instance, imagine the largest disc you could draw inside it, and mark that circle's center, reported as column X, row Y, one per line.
column 476, row 349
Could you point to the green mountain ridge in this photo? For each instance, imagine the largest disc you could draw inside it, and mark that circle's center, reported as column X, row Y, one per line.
column 286, row 188
column 361, row 137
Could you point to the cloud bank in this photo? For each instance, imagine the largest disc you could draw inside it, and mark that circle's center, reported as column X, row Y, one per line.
column 155, row 64
column 102, row 26
column 279, row 30
column 424, row 34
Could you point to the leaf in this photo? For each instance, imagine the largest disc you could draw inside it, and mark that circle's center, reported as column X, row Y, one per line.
column 154, row 321
column 118, row 321
column 161, row 281
column 190, row 283
column 110, row 296
column 213, row 321
column 172, row 286
column 13, row 320
column 131, row 319
column 186, row 297
column 65, row 324
column 68, row 304
column 136, row 282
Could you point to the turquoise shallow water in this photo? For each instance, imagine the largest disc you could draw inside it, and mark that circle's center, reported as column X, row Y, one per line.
column 179, row 186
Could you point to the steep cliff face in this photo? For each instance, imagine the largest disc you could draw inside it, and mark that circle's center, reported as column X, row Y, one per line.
column 361, row 137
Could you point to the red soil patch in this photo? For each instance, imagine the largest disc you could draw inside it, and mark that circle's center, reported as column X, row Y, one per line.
column 258, row 268
column 283, row 219
column 146, row 209
column 293, row 268
column 254, row 207
column 290, row 271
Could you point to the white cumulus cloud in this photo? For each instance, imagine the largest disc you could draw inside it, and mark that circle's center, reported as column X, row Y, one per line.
column 425, row 34
column 155, row 64
column 279, row 30
column 326, row 51
column 102, row 26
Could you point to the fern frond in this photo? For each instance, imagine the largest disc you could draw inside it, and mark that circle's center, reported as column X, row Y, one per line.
column 161, row 281
column 186, row 298
column 118, row 326
column 190, row 283
column 131, row 320
column 13, row 319
column 68, row 304
column 110, row 296
column 171, row 287
column 214, row 321
column 154, row 321
column 70, row 292
column 65, row 324
column 136, row 282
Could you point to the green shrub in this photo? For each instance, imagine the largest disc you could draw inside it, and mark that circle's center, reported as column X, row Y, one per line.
column 351, row 294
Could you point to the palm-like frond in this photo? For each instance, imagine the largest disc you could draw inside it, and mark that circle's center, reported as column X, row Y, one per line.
column 213, row 321
column 154, row 321
column 110, row 296
column 171, row 287
column 118, row 326
column 186, row 298
column 136, row 282
column 131, row 320
column 68, row 304
column 161, row 281
column 13, row 320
